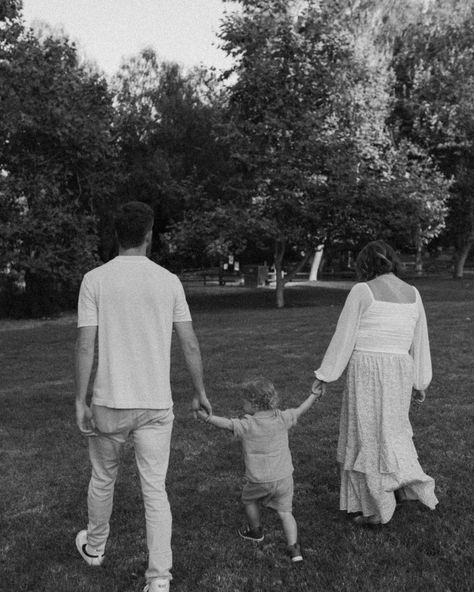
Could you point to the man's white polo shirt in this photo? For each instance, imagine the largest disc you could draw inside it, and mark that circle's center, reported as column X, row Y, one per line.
column 134, row 302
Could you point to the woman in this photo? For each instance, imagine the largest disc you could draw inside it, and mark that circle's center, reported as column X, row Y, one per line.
column 382, row 337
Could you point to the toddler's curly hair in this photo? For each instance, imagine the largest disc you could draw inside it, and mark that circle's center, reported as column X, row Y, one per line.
column 261, row 393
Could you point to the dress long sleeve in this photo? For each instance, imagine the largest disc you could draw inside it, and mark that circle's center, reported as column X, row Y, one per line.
column 420, row 350
column 342, row 343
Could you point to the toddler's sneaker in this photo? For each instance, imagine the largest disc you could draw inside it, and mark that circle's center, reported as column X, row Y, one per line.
column 157, row 585
column 94, row 557
column 251, row 534
column 294, row 551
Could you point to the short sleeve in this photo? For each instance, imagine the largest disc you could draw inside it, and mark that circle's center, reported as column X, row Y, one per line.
column 239, row 427
column 87, row 312
column 289, row 418
column 181, row 311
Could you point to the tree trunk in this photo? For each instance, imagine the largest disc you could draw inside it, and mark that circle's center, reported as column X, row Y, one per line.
column 313, row 274
column 460, row 259
column 280, row 287
column 281, row 280
column 419, row 260
column 419, row 253
column 280, row 246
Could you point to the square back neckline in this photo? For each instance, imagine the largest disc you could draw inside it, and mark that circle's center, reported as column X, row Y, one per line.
column 391, row 301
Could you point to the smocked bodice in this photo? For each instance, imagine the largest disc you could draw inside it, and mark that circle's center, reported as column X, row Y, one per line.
column 387, row 327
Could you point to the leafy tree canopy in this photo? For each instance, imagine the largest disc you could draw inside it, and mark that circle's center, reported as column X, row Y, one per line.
column 55, row 160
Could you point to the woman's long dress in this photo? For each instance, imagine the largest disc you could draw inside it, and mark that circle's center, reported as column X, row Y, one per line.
column 386, row 350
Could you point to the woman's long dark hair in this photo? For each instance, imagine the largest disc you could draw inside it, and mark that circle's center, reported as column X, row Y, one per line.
column 375, row 259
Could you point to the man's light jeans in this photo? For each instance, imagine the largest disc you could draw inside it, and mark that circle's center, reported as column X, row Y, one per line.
column 151, row 432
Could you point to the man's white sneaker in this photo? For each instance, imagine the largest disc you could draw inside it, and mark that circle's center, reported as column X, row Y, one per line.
column 91, row 557
column 294, row 551
column 157, row 585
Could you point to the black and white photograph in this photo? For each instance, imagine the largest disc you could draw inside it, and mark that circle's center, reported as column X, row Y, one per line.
column 236, row 295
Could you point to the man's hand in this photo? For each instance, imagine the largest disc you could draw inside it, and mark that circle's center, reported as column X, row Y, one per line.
column 201, row 403
column 84, row 419
column 318, row 388
column 192, row 356
column 202, row 414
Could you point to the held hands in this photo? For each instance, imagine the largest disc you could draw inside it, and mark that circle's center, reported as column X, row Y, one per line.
column 200, row 405
column 201, row 414
column 318, row 389
column 84, row 420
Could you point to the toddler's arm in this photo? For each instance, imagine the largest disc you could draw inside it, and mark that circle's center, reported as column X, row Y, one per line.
column 219, row 422
column 308, row 402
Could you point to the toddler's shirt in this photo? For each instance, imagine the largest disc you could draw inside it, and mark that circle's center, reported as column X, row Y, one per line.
column 264, row 437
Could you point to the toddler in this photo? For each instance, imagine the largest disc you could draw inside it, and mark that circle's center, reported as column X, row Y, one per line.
column 268, row 464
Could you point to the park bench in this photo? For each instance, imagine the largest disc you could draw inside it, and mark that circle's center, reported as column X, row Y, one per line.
column 211, row 276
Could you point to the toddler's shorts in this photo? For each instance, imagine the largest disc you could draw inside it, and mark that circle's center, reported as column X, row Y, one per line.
column 277, row 495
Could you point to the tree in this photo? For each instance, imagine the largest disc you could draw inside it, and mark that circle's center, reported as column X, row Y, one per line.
column 288, row 120
column 314, row 161
column 166, row 132
column 405, row 204
column 435, row 81
column 56, row 160
column 309, row 111
column 10, row 11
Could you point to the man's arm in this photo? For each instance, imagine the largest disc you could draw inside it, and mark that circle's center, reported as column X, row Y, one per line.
column 192, row 356
column 84, row 359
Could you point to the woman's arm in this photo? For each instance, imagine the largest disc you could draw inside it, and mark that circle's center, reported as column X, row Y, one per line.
column 342, row 343
column 420, row 350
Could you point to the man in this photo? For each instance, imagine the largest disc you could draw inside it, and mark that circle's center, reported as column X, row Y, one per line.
column 132, row 304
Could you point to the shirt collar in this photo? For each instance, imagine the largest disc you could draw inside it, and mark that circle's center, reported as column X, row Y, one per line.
column 131, row 258
column 265, row 413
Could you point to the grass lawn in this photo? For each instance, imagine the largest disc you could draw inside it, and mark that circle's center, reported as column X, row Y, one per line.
column 45, row 471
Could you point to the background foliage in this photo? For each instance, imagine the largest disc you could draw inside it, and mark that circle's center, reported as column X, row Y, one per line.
column 339, row 122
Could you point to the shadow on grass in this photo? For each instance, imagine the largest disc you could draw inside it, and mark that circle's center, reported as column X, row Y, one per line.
column 295, row 297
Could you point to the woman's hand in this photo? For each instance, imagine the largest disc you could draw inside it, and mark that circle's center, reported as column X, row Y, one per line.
column 318, row 389
column 418, row 396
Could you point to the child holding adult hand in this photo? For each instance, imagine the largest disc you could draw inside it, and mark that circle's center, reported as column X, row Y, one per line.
column 263, row 432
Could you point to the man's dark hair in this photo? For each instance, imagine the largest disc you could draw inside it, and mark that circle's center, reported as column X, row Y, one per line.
column 132, row 222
